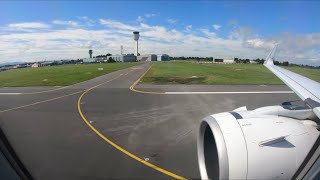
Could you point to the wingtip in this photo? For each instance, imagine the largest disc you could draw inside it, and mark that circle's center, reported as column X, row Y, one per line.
column 270, row 57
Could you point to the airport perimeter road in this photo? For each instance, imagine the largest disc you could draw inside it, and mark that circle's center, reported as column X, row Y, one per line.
column 100, row 129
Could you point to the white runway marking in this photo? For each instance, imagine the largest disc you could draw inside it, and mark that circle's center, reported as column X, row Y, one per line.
column 249, row 92
column 10, row 93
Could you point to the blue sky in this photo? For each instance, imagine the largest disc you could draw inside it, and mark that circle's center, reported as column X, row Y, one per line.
column 35, row 31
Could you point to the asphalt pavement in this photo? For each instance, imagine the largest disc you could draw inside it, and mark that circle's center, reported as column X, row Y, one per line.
column 100, row 129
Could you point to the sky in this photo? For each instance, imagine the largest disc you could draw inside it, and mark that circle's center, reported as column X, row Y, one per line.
column 45, row 30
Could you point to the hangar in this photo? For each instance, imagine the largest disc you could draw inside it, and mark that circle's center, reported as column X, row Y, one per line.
column 163, row 57
column 147, row 57
column 123, row 58
column 153, row 57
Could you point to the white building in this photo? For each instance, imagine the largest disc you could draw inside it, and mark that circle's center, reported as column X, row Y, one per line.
column 229, row 60
column 35, row 65
column 123, row 58
column 223, row 60
column 89, row 60
column 253, row 62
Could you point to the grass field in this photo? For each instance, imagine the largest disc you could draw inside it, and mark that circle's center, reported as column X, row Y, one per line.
column 57, row 75
column 192, row 73
column 313, row 74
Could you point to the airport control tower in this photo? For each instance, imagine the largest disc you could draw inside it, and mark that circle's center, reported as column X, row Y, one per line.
column 136, row 38
column 90, row 53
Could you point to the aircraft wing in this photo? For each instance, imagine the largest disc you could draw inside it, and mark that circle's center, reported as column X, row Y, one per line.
column 307, row 89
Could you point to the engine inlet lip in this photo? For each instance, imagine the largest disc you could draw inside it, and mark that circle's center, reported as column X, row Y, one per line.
column 210, row 122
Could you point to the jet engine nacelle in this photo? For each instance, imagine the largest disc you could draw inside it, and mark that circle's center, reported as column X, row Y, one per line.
column 256, row 144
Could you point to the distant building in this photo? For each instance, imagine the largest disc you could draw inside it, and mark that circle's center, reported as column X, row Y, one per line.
column 35, row 65
column 41, row 64
column 253, row 62
column 163, row 57
column 123, row 58
column 147, row 57
column 224, row 60
column 229, row 60
column 218, row 60
column 46, row 64
column 89, row 60
column 101, row 59
column 21, row 66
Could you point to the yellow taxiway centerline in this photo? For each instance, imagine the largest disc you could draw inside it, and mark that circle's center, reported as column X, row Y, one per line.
column 117, row 146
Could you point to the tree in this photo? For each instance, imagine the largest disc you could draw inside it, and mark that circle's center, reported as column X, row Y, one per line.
column 276, row 62
column 285, row 63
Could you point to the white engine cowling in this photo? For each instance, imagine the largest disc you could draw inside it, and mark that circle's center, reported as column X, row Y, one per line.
column 251, row 145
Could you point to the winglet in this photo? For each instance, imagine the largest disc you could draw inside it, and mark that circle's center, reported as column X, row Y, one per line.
column 270, row 57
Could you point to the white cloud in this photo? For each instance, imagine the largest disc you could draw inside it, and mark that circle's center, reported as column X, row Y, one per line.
column 140, row 19
column 66, row 43
column 116, row 24
column 150, row 15
column 242, row 33
column 87, row 20
column 172, row 21
column 67, row 23
column 208, row 33
column 216, row 26
column 258, row 43
column 189, row 28
column 83, row 17
column 29, row 25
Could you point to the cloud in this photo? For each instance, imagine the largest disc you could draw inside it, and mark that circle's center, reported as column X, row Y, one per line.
column 188, row 28
column 172, row 21
column 140, row 19
column 242, row 42
column 208, row 33
column 150, row 15
column 91, row 44
column 216, row 26
column 301, row 49
column 242, row 33
column 116, row 24
column 67, row 23
column 87, row 20
column 29, row 25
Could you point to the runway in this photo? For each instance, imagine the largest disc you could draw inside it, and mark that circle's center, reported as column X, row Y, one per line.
column 58, row 132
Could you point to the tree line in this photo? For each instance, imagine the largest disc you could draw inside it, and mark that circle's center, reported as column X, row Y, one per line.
column 246, row 61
